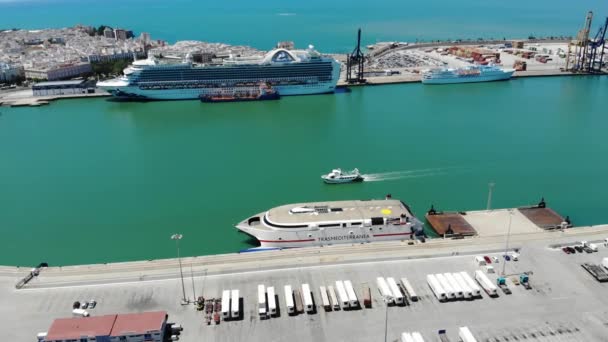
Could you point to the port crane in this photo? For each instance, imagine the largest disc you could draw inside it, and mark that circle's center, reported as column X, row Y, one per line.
column 355, row 59
column 596, row 49
column 579, row 46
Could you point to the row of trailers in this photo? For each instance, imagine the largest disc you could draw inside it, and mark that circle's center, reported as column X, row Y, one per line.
column 396, row 294
column 342, row 296
column 456, row 286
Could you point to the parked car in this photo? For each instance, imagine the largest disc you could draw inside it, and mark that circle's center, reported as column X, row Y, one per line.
column 84, row 305
column 92, row 304
column 571, row 249
column 76, row 305
column 487, row 259
column 579, row 249
column 495, row 259
column 507, row 257
column 566, row 250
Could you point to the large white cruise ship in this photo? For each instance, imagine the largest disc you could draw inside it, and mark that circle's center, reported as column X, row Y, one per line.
column 289, row 72
column 327, row 223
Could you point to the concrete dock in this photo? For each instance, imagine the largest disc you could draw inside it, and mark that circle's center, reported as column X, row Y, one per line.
column 25, row 98
column 522, row 220
column 555, row 310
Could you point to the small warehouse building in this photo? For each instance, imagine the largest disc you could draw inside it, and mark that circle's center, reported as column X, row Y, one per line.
column 137, row 327
column 63, row 88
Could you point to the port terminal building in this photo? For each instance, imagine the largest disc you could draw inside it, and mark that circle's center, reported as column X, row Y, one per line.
column 136, row 327
column 63, row 87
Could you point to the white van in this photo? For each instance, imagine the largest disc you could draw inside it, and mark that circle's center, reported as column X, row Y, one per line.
column 80, row 313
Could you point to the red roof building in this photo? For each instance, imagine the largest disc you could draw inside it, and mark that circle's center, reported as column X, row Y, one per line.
column 139, row 323
column 64, row 329
column 145, row 326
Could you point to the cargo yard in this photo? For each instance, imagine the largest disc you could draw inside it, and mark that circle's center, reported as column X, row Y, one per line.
column 558, row 286
column 400, row 63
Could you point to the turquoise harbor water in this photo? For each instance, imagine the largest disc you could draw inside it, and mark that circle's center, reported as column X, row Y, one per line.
column 84, row 181
column 329, row 25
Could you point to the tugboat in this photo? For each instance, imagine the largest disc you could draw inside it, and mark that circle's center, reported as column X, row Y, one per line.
column 337, row 176
column 263, row 92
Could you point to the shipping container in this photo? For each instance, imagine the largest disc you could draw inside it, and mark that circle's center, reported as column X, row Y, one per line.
column 342, row 295
column 352, row 296
column 458, row 291
column 234, row 304
column 289, row 303
column 486, row 284
column 465, row 334
column 475, row 289
column 297, row 296
column 395, row 291
column 445, row 284
column 324, row 298
column 226, row 304
column 272, row 301
column 335, row 304
column 262, row 301
column 436, row 287
column 385, row 291
column 466, row 289
column 307, row 296
column 409, row 289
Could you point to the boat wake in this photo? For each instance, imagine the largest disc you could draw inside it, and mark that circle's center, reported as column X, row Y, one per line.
column 394, row 175
column 286, row 14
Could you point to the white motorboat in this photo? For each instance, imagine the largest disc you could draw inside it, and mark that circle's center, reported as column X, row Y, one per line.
column 337, row 176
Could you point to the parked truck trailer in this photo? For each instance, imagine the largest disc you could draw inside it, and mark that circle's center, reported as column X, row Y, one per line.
column 486, row 284
column 395, row 291
column 409, row 289
column 436, row 287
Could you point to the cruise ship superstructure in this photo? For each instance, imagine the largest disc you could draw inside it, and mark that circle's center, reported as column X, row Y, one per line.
column 327, row 223
column 474, row 73
column 289, row 72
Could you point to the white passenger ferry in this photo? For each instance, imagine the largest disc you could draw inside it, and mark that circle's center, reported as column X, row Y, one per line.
column 473, row 73
column 327, row 223
column 289, row 72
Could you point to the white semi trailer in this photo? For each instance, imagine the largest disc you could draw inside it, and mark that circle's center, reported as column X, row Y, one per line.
column 436, row 287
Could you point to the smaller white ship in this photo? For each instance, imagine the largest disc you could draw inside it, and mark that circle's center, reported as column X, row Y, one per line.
column 337, row 176
column 469, row 74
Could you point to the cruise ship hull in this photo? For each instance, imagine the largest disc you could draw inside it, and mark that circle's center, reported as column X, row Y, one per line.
column 134, row 92
column 469, row 79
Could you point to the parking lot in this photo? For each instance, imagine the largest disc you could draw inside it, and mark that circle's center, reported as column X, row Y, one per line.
column 564, row 304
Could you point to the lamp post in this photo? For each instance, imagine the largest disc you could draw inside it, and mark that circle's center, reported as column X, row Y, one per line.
column 507, row 242
column 386, row 301
column 178, row 237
